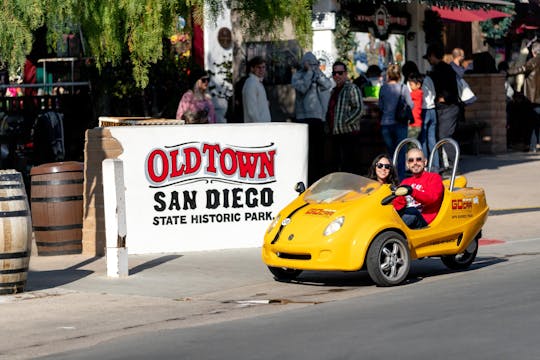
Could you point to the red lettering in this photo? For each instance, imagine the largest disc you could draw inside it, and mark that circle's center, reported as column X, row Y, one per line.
column 175, row 171
column 247, row 163
column 233, row 165
column 192, row 158
column 157, row 155
column 267, row 163
column 211, row 151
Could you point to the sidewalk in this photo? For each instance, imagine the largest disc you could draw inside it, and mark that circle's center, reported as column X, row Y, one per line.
column 70, row 302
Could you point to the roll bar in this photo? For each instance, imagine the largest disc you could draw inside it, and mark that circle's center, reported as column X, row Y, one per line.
column 456, row 159
column 403, row 143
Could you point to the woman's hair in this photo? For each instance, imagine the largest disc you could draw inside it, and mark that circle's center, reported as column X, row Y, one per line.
column 195, row 77
column 392, row 174
column 393, row 72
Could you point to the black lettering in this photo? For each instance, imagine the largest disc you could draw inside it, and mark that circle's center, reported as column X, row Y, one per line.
column 161, row 205
column 267, row 197
column 236, row 198
column 212, row 199
column 225, row 198
column 190, row 200
column 251, row 199
column 174, row 204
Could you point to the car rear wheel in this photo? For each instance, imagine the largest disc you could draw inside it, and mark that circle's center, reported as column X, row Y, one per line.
column 284, row 274
column 462, row 260
column 388, row 259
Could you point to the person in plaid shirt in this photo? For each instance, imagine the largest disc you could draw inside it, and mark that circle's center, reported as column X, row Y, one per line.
column 344, row 113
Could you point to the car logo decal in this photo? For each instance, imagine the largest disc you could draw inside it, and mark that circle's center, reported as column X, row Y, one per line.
column 286, row 222
column 290, row 237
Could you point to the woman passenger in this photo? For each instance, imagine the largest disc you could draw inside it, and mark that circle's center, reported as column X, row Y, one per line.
column 383, row 171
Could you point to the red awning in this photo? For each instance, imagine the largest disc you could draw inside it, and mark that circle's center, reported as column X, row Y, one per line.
column 468, row 15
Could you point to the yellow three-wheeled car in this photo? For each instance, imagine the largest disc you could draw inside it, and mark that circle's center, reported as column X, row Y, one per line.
column 345, row 222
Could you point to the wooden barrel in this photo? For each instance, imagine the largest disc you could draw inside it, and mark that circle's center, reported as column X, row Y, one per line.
column 15, row 233
column 57, row 207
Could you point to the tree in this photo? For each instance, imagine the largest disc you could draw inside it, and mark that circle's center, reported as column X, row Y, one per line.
column 112, row 28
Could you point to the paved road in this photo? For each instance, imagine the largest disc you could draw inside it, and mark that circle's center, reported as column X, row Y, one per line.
column 488, row 312
column 71, row 304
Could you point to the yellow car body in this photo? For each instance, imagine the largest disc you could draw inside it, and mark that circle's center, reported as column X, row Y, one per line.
column 296, row 239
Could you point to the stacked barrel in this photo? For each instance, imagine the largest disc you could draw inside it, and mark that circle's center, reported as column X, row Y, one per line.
column 15, row 233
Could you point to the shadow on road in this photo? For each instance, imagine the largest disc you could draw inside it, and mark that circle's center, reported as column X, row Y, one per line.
column 153, row 263
column 41, row 280
column 420, row 269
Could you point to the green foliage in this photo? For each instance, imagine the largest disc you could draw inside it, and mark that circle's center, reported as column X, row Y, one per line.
column 344, row 39
column 112, row 29
column 497, row 28
column 266, row 17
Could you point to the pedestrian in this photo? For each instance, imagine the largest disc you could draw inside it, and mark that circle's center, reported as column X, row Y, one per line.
column 428, row 134
column 446, row 98
column 393, row 132
column 311, row 87
column 255, row 102
column 458, row 56
column 383, row 171
column 343, row 116
column 415, row 85
column 196, row 106
column 531, row 90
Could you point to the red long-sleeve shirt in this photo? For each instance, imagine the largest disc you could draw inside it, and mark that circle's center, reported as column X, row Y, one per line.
column 427, row 194
column 416, row 97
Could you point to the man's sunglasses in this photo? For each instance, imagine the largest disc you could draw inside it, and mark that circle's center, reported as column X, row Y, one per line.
column 418, row 159
column 339, row 72
column 386, row 166
column 205, row 79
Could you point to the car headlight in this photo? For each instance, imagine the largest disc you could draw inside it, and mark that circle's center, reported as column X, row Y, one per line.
column 334, row 226
column 273, row 223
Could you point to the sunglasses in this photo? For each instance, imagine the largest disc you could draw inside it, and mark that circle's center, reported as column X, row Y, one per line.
column 386, row 166
column 339, row 72
column 418, row 159
column 205, row 79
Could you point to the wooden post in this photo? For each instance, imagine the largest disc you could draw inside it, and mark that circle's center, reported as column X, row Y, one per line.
column 115, row 217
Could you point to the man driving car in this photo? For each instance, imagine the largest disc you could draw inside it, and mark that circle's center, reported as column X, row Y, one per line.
column 425, row 193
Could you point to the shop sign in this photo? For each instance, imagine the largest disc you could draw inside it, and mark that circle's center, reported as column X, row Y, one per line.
column 381, row 22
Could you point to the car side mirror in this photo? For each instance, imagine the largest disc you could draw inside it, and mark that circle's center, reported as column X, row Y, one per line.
column 300, row 187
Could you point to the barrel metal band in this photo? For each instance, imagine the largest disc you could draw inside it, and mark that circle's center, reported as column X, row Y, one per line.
column 8, row 214
column 13, row 198
column 59, row 243
column 14, row 271
column 10, row 186
column 58, row 227
column 58, row 182
column 59, row 252
column 16, row 255
column 57, row 199
column 15, row 283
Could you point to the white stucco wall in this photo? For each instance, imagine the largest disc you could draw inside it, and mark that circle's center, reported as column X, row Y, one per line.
column 215, row 54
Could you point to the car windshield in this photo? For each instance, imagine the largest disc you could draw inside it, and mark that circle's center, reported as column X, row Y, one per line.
column 340, row 187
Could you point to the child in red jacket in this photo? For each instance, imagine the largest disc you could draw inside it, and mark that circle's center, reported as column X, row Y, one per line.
column 415, row 84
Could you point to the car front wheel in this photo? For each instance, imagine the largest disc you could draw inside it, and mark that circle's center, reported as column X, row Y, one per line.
column 388, row 259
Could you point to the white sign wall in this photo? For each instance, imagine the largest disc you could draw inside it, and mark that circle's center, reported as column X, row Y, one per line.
column 203, row 187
